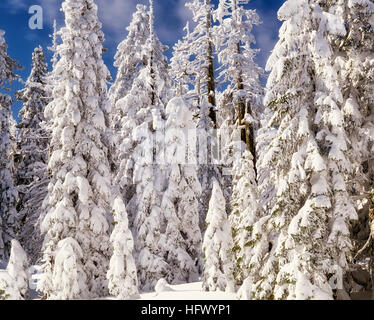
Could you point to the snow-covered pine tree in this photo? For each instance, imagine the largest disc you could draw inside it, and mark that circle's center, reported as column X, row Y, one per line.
column 307, row 237
column 134, row 93
column 122, row 274
column 142, row 179
column 357, row 75
column 217, row 246
column 202, row 49
column 181, row 69
column 8, row 287
column 51, row 77
column 32, row 155
column 8, row 192
column 193, row 67
column 245, row 212
column 79, row 193
column 234, row 40
column 18, row 269
column 129, row 60
column 264, row 136
column 181, row 242
column 68, row 279
column 149, row 178
column 242, row 104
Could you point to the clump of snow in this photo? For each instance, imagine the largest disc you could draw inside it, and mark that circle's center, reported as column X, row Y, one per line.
column 162, row 286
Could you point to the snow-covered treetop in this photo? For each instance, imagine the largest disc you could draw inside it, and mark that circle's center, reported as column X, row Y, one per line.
column 199, row 43
column 34, row 95
column 234, row 40
column 7, row 64
column 54, row 59
column 180, row 64
column 130, row 55
column 157, row 65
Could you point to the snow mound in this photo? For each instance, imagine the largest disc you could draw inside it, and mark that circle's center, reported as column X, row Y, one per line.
column 162, row 286
column 188, row 291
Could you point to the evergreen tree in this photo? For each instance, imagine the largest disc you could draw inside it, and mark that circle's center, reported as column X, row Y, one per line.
column 308, row 229
column 181, row 69
column 140, row 177
column 193, row 70
column 202, row 48
column 8, row 287
column 241, row 104
column 129, row 60
column 122, row 274
column 8, row 192
column 18, row 269
column 32, row 153
column 217, row 246
column 182, row 239
column 68, row 278
column 148, row 88
column 76, row 225
column 245, row 212
column 234, row 42
column 356, row 64
column 149, row 177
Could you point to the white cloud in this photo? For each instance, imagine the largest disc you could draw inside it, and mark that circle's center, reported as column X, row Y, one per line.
column 15, row 5
column 266, row 36
column 183, row 12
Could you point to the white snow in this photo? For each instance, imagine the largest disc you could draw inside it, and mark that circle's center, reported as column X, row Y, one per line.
column 188, row 291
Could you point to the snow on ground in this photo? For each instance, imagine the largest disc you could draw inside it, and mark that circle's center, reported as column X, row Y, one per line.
column 189, row 291
column 163, row 291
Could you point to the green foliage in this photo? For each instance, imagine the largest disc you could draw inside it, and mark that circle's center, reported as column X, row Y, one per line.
column 3, row 296
column 236, row 248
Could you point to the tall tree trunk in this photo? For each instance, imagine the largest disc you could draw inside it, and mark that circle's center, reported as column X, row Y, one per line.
column 211, row 86
column 151, row 59
column 153, row 84
column 247, row 130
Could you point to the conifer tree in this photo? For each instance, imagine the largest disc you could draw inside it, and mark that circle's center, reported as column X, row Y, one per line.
column 356, row 64
column 202, row 46
column 8, row 287
column 122, row 274
column 18, row 269
column 141, row 178
column 241, row 105
column 134, row 98
column 53, row 48
column 238, row 68
column 217, row 246
column 308, row 229
column 68, row 278
column 32, row 153
column 8, row 192
column 182, row 239
column 129, row 60
column 76, row 225
column 193, row 70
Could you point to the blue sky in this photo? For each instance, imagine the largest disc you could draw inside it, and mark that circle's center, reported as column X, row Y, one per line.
column 170, row 19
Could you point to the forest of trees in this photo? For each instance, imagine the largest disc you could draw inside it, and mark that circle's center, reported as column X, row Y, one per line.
column 189, row 169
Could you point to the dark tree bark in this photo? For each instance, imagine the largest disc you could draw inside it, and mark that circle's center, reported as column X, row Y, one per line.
column 247, row 130
column 211, row 85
